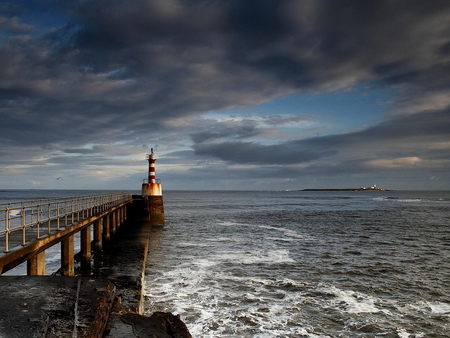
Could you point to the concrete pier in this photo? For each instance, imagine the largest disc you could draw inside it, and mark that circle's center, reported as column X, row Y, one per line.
column 106, row 302
column 54, row 306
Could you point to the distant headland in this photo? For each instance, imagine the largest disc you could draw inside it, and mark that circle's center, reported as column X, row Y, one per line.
column 372, row 188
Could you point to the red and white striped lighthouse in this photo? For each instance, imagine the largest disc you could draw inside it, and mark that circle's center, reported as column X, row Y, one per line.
column 151, row 168
column 152, row 193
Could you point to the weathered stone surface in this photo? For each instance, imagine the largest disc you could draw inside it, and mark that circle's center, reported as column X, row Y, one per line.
column 54, row 306
column 158, row 325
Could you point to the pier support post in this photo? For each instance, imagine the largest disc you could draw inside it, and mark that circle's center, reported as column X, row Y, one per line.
column 113, row 222
column 67, row 257
column 98, row 244
column 86, row 248
column 107, row 227
column 119, row 218
column 36, row 265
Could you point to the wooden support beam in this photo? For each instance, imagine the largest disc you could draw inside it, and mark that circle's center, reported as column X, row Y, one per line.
column 98, row 244
column 113, row 222
column 67, row 257
column 36, row 265
column 107, row 227
column 86, row 247
column 119, row 218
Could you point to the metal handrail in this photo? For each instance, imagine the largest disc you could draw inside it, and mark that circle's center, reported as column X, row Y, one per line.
column 146, row 180
column 39, row 214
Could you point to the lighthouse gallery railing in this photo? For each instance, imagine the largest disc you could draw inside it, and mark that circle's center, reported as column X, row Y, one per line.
column 45, row 216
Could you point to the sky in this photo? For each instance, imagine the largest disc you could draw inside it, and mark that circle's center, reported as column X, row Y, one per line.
column 230, row 94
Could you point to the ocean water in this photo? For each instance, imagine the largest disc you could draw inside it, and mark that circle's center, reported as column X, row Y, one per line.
column 297, row 264
column 304, row 264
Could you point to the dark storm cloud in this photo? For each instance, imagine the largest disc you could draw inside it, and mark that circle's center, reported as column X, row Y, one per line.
column 176, row 58
column 123, row 71
column 244, row 129
column 253, row 153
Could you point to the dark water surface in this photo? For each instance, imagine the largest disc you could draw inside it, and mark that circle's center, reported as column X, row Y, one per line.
column 304, row 264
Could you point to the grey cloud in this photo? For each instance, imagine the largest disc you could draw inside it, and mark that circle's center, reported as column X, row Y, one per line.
column 246, row 153
column 244, row 129
column 198, row 56
column 14, row 25
column 277, row 120
column 400, row 136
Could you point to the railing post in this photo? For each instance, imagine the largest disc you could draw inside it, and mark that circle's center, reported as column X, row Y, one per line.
column 72, row 211
column 49, row 229
column 22, row 223
column 7, row 226
column 57, row 216
column 66, row 215
column 78, row 210
column 67, row 257
column 38, row 224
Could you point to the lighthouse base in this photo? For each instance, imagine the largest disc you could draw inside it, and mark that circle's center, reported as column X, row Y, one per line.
column 156, row 210
column 152, row 194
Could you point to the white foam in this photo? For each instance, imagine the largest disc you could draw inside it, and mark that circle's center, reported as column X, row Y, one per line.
column 354, row 302
column 255, row 257
column 192, row 244
column 382, row 198
column 218, row 303
column 439, row 308
column 394, row 199
column 287, row 232
column 402, row 333
column 227, row 223
column 410, row 200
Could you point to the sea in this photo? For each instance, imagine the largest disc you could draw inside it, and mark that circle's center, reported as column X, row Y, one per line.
column 300, row 263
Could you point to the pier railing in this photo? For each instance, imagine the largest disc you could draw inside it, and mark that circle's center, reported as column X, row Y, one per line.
column 42, row 217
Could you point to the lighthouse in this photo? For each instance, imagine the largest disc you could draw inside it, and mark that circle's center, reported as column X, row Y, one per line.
column 152, row 193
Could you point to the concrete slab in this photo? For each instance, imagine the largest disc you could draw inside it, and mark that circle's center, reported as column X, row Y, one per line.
column 54, row 306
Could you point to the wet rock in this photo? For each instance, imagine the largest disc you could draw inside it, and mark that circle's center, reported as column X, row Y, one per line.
column 158, row 325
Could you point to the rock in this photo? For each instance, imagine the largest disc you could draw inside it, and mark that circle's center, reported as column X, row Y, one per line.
column 158, row 325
